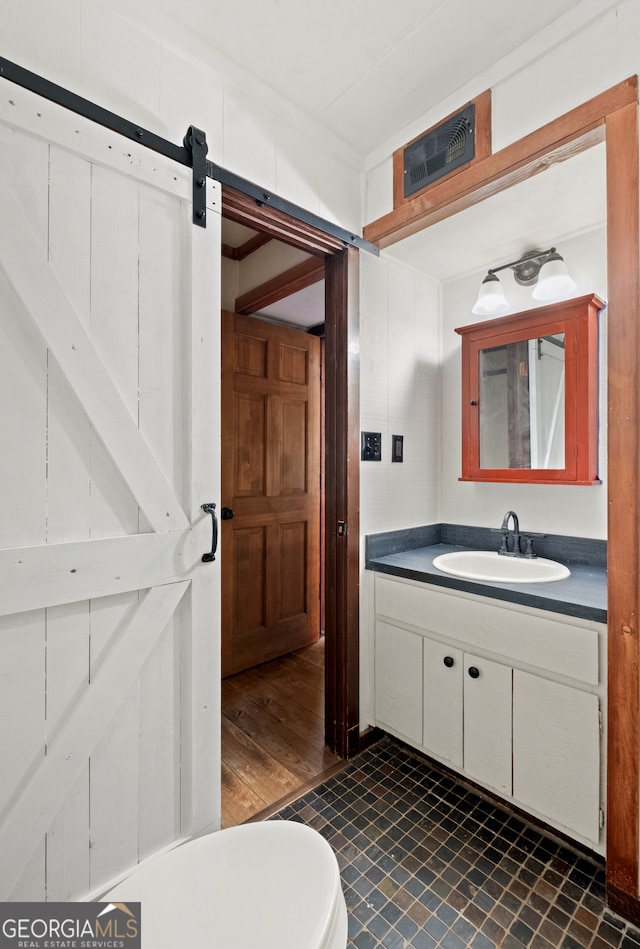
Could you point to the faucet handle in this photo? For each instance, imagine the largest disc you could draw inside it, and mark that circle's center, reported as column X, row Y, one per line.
column 529, row 546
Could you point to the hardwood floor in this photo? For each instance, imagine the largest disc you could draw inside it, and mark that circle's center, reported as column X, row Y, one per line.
column 272, row 732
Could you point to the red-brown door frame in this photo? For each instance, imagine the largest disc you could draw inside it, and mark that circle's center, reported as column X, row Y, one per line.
column 342, row 510
column 341, row 482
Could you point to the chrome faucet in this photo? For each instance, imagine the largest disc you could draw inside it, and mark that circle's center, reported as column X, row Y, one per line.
column 504, row 548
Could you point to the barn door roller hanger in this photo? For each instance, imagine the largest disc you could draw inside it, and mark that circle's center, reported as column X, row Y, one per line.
column 195, row 142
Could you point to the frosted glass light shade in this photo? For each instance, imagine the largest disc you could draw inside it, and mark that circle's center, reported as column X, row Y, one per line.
column 555, row 282
column 491, row 299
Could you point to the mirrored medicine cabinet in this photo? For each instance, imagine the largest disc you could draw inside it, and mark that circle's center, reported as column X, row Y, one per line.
column 530, row 395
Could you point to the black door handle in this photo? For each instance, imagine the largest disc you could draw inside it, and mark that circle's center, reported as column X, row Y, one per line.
column 448, row 661
column 474, row 672
column 227, row 514
column 211, row 509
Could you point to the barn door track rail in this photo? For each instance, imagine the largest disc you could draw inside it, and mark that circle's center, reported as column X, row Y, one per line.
column 191, row 153
column 263, row 197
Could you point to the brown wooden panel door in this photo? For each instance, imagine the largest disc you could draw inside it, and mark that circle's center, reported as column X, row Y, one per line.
column 271, row 481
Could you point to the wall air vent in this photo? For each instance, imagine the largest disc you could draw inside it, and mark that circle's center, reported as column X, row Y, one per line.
column 440, row 151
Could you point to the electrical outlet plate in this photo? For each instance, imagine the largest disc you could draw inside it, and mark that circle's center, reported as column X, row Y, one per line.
column 371, row 446
column 397, row 447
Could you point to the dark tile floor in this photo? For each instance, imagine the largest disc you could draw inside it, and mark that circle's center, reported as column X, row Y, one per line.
column 427, row 862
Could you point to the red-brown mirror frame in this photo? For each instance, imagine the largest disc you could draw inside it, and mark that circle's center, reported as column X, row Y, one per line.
column 578, row 320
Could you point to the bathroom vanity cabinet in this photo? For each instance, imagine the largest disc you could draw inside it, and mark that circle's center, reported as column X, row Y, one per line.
column 476, row 693
column 510, row 697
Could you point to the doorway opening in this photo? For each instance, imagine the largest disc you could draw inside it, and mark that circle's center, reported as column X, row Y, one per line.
column 284, row 697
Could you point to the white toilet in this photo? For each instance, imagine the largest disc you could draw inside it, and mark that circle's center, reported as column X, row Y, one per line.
column 274, row 884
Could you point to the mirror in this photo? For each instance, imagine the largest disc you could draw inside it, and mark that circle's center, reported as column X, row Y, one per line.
column 529, row 387
column 521, row 404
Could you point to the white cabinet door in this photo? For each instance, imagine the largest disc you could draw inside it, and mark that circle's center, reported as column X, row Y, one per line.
column 442, row 731
column 487, row 722
column 398, row 681
column 556, row 752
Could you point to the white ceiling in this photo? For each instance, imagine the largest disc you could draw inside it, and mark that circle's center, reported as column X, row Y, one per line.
column 363, row 68
column 565, row 199
column 305, row 308
column 235, row 234
column 367, row 68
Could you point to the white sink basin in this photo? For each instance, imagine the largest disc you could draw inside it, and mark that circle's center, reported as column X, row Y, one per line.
column 491, row 566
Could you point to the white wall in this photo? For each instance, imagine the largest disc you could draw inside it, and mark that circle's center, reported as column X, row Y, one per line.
column 230, row 275
column 411, row 385
column 86, row 46
column 586, row 51
column 577, row 57
column 545, row 508
column 560, row 65
column 399, row 368
column 399, row 395
column 167, row 82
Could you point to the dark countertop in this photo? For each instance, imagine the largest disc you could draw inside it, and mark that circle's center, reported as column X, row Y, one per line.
column 583, row 594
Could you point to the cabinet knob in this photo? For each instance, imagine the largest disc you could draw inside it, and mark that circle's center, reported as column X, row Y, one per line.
column 448, row 661
column 474, row 672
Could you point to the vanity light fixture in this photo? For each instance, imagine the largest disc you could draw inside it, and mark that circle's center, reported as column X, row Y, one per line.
column 545, row 270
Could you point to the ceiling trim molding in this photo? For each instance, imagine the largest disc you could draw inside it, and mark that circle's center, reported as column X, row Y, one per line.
column 244, row 250
column 297, row 278
column 560, row 139
column 278, row 224
column 249, row 204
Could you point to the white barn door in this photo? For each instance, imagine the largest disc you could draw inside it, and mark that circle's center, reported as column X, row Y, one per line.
column 109, row 426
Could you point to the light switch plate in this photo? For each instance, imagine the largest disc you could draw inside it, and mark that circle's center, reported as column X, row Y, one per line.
column 397, row 448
